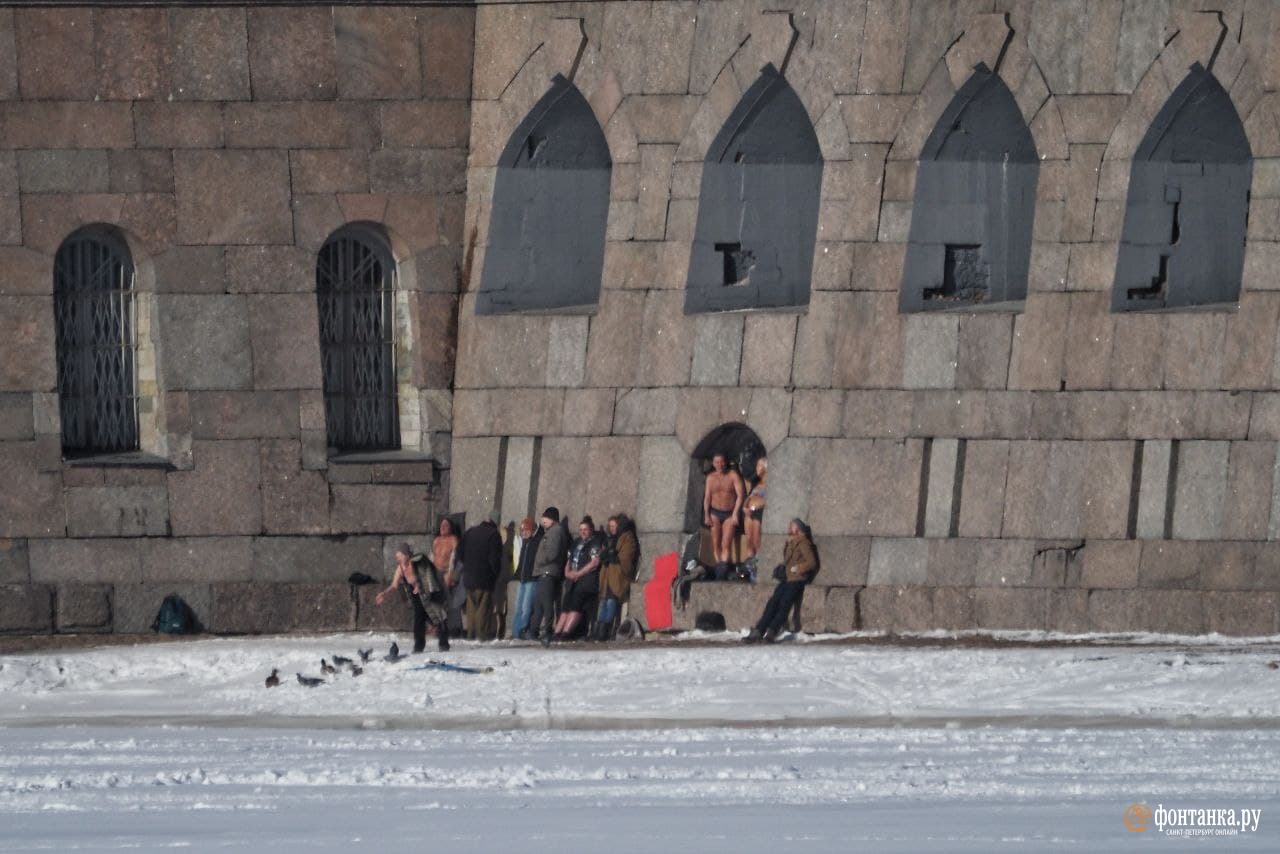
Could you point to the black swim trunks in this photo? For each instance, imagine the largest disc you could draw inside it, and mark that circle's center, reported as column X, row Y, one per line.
column 722, row 515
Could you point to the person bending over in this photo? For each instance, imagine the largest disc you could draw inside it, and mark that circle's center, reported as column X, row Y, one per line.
column 425, row 594
column 582, row 573
column 799, row 563
column 721, row 502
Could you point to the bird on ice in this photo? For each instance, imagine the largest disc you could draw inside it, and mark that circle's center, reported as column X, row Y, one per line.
column 308, row 681
column 326, row 668
column 393, row 655
column 364, row 655
column 341, row 661
column 273, row 680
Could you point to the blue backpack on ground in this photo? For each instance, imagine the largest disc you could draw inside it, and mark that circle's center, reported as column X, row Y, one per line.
column 175, row 617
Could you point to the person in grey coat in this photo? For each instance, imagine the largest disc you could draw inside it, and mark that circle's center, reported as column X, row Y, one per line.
column 548, row 568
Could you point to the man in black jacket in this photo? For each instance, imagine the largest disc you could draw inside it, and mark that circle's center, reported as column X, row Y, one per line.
column 480, row 553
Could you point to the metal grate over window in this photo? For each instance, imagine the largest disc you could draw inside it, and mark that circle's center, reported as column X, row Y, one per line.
column 94, row 313
column 355, row 287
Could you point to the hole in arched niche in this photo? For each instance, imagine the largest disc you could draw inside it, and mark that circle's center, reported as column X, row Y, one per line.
column 1186, row 213
column 742, row 449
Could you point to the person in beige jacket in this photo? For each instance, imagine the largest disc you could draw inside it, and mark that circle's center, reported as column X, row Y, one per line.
column 621, row 559
column 799, row 565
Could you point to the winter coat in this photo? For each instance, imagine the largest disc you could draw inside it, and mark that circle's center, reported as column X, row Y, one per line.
column 800, row 559
column 524, row 568
column 480, row 554
column 552, row 552
column 620, row 567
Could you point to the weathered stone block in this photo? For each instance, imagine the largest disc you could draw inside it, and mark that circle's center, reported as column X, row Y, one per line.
column 717, row 349
column 1153, row 493
column 15, row 568
column 866, row 487
column 882, row 414
column 63, row 171
column 741, row 604
column 1171, row 564
column 221, row 494
column 1006, row 563
column 113, row 511
column 210, row 55
column 448, row 38
column 57, row 54
column 67, row 124
column 236, row 197
column 380, row 508
column 270, row 269
column 26, row 327
column 285, row 354
column 1010, row 608
column 1110, row 563
column 982, row 359
column 898, row 561
column 395, row 615
column 953, row 608
column 664, row 343
column 320, row 607
column 195, row 559
column 817, row 413
column 378, row 53
column 293, row 501
column 954, row 562
column 1173, row 611
column 1247, row 501
column 896, row 609
column 83, row 607
column 247, row 608
column 16, row 417
column 301, row 124
column 1039, row 341
column 941, row 491
column 206, row 342
column 31, row 503
column 166, row 124
column 930, row 350
column 843, row 561
column 26, row 608
column 1068, row 611
column 768, row 343
column 1202, row 469
column 292, row 54
column 645, row 411
column 73, row 561
column 1241, row 614
column 244, row 415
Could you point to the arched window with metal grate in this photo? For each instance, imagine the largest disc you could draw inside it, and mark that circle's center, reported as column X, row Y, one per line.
column 355, row 289
column 93, row 279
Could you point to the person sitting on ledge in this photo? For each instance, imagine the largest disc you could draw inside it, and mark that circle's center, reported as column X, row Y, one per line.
column 582, row 573
column 721, row 503
column 799, row 563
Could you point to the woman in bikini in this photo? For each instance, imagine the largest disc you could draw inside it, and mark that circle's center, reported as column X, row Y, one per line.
column 754, row 513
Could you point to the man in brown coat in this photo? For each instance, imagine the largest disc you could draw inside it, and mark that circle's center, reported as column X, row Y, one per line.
column 621, row 558
column 800, row 562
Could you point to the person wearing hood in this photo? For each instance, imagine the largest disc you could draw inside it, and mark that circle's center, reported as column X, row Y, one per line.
column 480, row 554
column 548, row 568
column 620, row 560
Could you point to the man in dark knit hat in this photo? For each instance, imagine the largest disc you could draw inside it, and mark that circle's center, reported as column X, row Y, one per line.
column 548, row 569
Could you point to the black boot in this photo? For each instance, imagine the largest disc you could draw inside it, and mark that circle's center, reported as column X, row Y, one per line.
column 752, row 637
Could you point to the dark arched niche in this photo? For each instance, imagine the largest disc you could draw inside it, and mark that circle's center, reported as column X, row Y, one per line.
column 758, row 207
column 1184, row 223
column 550, row 208
column 970, row 238
column 741, row 448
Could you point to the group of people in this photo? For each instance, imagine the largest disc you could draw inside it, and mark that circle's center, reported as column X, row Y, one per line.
column 567, row 586
column 726, row 504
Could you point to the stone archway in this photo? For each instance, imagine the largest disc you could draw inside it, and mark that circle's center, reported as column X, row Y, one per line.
column 742, row 447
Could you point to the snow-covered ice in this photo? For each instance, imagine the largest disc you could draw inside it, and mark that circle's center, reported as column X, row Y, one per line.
column 661, row 747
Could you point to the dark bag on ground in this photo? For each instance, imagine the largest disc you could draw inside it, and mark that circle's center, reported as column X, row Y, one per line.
column 175, row 617
column 709, row 621
column 360, row 579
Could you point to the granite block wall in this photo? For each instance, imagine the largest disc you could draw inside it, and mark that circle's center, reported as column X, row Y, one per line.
column 226, row 144
column 1042, row 465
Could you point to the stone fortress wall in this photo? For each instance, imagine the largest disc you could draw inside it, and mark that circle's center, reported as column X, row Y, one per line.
column 1039, row 463
column 225, row 145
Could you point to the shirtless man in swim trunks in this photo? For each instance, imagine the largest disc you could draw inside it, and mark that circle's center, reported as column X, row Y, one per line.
column 721, row 501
